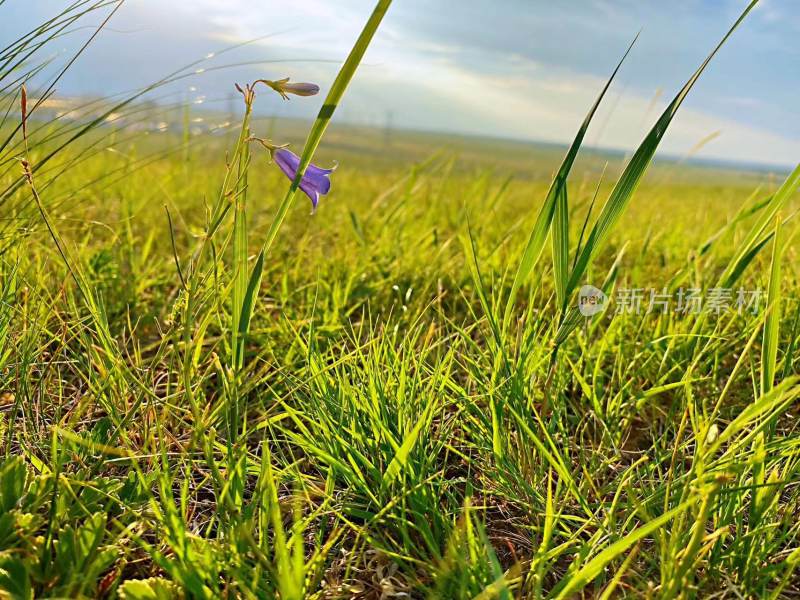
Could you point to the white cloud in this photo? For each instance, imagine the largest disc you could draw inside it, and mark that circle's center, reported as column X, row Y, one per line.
column 550, row 108
column 432, row 83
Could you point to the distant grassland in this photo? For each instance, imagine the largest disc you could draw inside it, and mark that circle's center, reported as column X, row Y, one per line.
column 464, row 171
column 395, row 212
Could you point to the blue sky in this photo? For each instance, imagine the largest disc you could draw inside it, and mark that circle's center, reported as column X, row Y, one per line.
column 526, row 69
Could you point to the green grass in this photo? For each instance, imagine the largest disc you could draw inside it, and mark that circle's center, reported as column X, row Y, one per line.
column 231, row 398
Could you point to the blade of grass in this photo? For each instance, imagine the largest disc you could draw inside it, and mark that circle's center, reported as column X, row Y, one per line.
column 541, row 227
column 335, row 94
column 560, row 242
column 248, row 303
column 240, row 275
column 752, row 243
column 569, row 587
column 636, row 168
column 769, row 347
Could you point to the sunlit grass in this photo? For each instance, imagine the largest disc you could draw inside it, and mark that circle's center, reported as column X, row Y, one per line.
column 206, row 392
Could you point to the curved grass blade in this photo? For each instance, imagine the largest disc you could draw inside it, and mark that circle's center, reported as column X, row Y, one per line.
column 769, row 347
column 756, row 417
column 240, row 282
column 569, row 587
column 326, row 112
column 248, row 304
column 241, row 303
column 751, row 244
column 246, row 287
column 538, row 235
column 560, row 241
column 631, row 177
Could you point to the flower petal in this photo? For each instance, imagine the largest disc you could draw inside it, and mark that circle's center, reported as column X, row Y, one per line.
column 288, row 159
column 311, row 192
column 301, row 89
column 315, row 170
column 287, row 169
column 316, row 180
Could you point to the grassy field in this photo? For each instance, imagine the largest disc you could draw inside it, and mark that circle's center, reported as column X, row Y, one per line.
column 398, row 398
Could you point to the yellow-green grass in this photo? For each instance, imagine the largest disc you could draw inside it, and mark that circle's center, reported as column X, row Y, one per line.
column 416, row 409
column 367, row 321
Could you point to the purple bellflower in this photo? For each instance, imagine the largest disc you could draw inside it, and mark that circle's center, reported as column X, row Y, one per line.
column 316, row 181
column 283, row 87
